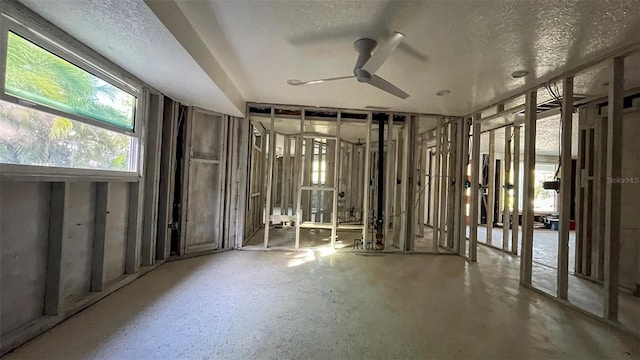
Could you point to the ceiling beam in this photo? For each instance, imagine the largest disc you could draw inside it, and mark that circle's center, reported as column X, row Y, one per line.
column 177, row 23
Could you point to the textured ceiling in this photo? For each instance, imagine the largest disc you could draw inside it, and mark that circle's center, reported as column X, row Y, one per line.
column 468, row 47
column 130, row 35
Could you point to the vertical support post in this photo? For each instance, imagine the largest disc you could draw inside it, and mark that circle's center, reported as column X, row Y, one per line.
column 167, row 176
column 565, row 188
column 99, row 236
column 515, row 214
column 243, row 190
column 390, row 184
column 528, row 186
column 456, row 220
column 263, row 175
column 225, row 161
column 451, row 189
column 186, row 164
column 491, row 203
column 269, row 187
column 301, row 175
column 367, row 164
column 152, row 177
column 444, row 185
column 134, row 226
column 422, row 186
column 506, row 215
column 408, row 185
column 336, row 187
column 613, row 190
column 286, row 176
column 53, row 295
column 463, row 175
column 600, row 182
column 438, row 178
column 475, row 182
column 429, row 189
column 352, row 170
column 396, row 194
column 295, row 180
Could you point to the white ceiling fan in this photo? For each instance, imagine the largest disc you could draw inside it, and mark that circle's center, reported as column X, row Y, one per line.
column 367, row 65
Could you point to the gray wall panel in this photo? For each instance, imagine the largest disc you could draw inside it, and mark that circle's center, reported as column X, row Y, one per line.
column 24, row 227
column 78, row 246
column 630, row 212
column 116, row 232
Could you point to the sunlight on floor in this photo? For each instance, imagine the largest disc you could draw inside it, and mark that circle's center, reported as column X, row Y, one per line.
column 307, row 255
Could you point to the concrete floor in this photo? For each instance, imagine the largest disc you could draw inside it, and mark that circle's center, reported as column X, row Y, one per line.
column 285, row 238
column 324, row 305
column 584, row 294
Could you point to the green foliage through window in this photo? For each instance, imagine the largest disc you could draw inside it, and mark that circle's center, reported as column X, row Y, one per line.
column 38, row 76
column 31, row 137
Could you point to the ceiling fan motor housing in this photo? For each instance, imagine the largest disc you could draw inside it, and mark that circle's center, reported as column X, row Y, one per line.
column 364, row 47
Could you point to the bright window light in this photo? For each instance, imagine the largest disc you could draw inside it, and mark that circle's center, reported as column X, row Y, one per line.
column 38, row 76
column 32, row 137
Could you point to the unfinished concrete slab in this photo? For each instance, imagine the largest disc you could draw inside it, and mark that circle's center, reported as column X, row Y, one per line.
column 315, row 305
column 284, row 239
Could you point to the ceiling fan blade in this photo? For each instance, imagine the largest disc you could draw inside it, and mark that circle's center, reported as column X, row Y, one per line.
column 382, row 53
column 384, row 85
column 296, row 82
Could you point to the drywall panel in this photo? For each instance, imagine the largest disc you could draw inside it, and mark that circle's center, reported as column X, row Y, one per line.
column 78, row 244
column 204, row 200
column 630, row 212
column 116, row 230
column 24, row 227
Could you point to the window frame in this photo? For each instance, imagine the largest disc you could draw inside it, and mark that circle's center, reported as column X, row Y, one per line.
column 58, row 43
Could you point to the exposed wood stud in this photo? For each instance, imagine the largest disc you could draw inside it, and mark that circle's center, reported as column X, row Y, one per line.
column 475, row 182
column 506, row 215
column 269, row 188
column 422, row 186
column 286, row 176
column 167, row 175
column 390, row 184
column 53, row 294
column 152, row 175
column 451, row 186
column 528, row 187
column 600, row 182
column 565, row 188
column 491, row 191
column 409, row 181
column 515, row 226
column 225, row 160
column 301, row 174
column 186, row 163
column 444, row 185
column 436, row 179
column 99, row 236
column 134, row 222
column 461, row 178
column 613, row 190
column 366, row 179
column 336, row 187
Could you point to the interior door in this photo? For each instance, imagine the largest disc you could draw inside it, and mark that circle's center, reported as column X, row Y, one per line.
column 205, row 159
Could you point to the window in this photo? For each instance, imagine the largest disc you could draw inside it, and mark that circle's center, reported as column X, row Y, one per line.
column 32, row 137
column 544, row 200
column 319, row 163
column 36, row 75
column 55, row 113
